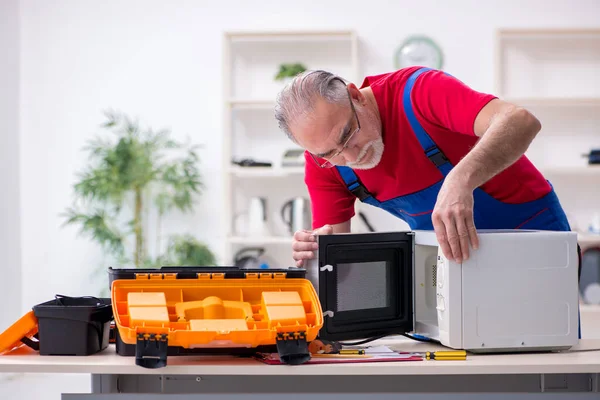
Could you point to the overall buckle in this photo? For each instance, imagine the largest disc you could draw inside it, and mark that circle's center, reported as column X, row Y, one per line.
column 436, row 156
column 359, row 190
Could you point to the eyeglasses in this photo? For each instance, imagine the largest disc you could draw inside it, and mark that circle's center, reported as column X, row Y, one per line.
column 329, row 161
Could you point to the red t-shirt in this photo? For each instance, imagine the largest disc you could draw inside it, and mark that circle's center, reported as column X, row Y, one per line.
column 446, row 108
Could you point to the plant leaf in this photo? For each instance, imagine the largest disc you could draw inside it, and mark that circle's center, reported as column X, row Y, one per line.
column 185, row 250
column 97, row 225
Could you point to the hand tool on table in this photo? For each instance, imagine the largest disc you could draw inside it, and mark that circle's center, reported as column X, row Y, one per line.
column 449, row 355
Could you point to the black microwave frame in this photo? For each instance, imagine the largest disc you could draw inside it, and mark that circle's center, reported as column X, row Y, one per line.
column 396, row 249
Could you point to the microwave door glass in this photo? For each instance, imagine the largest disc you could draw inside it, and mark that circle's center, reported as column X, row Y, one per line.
column 365, row 284
column 362, row 285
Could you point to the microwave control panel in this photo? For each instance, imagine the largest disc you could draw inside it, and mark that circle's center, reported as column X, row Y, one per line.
column 449, row 300
column 441, row 294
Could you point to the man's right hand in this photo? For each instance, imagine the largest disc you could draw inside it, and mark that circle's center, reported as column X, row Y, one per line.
column 305, row 243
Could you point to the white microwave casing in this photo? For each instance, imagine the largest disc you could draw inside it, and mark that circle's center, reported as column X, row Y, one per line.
column 517, row 292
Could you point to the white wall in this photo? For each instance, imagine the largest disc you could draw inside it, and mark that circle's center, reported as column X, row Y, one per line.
column 10, row 226
column 161, row 61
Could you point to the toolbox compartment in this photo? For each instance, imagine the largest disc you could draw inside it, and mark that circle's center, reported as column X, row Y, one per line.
column 64, row 326
column 73, row 325
column 181, row 310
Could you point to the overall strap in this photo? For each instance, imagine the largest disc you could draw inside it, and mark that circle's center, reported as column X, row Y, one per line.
column 429, row 147
column 353, row 183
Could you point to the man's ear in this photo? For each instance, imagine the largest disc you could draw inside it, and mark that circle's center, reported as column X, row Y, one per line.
column 356, row 94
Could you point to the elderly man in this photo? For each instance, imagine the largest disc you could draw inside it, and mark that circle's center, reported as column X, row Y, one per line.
column 421, row 145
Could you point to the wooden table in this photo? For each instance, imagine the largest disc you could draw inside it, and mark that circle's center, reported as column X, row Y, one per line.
column 574, row 371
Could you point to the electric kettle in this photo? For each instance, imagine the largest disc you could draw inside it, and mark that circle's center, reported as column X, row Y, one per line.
column 257, row 217
column 254, row 258
column 296, row 214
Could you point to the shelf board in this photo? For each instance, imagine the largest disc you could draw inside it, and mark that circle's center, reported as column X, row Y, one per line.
column 592, row 308
column 291, row 35
column 263, row 104
column 587, row 239
column 265, row 172
column 582, row 238
column 547, row 33
column 586, row 170
column 555, row 101
column 260, row 240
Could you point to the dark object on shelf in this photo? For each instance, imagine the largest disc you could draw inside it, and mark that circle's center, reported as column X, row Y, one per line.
column 248, row 162
column 593, row 156
column 244, row 260
column 589, row 282
column 293, row 158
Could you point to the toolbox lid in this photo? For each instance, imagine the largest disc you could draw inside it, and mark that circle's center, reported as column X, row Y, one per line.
column 21, row 332
column 365, row 284
column 194, row 272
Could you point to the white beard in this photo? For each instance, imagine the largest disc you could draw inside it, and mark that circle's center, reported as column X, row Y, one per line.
column 377, row 146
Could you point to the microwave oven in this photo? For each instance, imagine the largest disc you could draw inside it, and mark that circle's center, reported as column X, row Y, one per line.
column 517, row 292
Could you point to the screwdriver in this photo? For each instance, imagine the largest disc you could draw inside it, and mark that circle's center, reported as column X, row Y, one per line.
column 444, row 355
column 353, row 351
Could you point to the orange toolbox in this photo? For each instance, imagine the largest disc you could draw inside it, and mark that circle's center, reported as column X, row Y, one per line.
column 207, row 308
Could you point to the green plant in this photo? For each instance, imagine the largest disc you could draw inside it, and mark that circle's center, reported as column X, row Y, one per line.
column 187, row 250
column 289, row 70
column 127, row 173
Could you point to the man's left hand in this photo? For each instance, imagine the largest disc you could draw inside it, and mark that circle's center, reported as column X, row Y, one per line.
column 453, row 221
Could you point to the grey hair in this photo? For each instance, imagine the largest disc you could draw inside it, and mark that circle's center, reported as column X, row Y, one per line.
column 299, row 96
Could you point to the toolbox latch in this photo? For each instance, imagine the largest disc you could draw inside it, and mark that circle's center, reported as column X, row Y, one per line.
column 151, row 350
column 292, row 348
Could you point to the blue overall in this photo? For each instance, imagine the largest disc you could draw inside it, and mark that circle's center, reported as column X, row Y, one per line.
column 416, row 208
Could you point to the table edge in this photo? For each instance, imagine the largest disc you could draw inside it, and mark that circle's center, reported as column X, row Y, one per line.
column 329, row 370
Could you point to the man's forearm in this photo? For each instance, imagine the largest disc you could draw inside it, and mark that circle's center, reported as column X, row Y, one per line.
column 509, row 135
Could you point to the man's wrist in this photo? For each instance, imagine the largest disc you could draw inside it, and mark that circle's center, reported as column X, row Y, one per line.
column 462, row 178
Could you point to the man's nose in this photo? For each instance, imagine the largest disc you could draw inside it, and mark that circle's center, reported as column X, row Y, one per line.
column 350, row 153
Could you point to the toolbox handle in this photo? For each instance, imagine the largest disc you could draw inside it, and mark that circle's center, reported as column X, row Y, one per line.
column 34, row 344
column 59, row 298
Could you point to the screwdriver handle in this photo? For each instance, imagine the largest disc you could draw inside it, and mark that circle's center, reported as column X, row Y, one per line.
column 446, row 355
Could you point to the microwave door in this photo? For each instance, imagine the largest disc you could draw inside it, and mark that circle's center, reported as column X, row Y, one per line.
column 365, row 284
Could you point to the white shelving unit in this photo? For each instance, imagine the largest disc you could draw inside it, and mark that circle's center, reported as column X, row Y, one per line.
column 251, row 61
column 555, row 73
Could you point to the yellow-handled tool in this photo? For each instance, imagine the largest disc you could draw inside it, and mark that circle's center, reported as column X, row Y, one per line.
column 445, row 355
column 353, row 351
